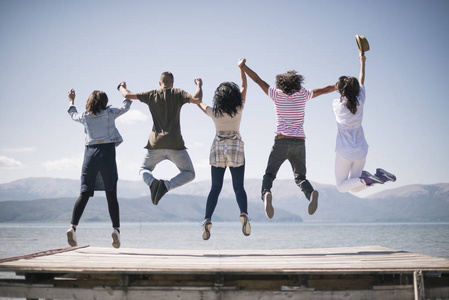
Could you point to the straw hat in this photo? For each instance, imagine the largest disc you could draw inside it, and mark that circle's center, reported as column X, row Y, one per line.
column 362, row 43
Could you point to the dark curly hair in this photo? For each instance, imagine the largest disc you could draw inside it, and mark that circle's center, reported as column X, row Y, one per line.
column 227, row 99
column 289, row 82
column 97, row 101
column 349, row 87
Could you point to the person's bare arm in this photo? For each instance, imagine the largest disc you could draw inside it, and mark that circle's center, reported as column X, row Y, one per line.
column 125, row 92
column 244, row 82
column 203, row 106
column 325, row 90
column 362, row 69
column 197, row 98
column 263, row 85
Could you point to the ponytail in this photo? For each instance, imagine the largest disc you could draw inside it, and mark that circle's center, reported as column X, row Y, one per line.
column 349, row 87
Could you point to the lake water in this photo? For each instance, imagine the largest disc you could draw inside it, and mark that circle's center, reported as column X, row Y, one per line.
column 426, row 238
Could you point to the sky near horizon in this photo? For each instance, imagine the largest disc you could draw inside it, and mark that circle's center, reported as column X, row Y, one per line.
column 49, row 47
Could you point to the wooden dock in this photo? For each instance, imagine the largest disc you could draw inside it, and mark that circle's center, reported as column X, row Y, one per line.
column 371, row 272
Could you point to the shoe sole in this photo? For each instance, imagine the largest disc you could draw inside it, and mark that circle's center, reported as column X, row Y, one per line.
column 269, row 210
column 387, row 175
column 246, row 227
column 376, row 179
column 115, row 240
column 313, row 205
column 206, row 231
column 71, row 240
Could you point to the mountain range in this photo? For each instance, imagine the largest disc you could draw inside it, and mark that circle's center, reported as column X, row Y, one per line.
column 52, row 199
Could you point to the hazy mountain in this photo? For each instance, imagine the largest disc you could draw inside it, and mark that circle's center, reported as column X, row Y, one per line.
column 403, row 204
column 46, row 188
column 172, row 208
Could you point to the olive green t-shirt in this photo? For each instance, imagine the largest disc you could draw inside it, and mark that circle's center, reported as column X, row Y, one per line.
column 165, row 108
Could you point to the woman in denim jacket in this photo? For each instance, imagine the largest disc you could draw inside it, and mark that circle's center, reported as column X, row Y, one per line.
column 99, row 171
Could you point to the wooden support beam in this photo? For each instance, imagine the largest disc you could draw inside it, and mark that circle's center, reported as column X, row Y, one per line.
column 418, row 284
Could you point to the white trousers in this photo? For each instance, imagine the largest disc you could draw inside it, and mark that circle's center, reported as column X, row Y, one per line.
column 347, row 174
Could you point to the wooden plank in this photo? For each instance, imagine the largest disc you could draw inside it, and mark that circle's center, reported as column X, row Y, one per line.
column 143, row 261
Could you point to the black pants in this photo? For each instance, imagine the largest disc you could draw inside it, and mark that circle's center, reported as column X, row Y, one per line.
column 293, row 150
column 113, row 207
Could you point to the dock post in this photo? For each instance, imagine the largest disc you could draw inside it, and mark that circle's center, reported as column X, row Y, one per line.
column 418, row 284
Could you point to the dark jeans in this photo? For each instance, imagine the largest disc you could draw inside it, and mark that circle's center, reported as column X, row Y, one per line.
column 113, row 207
column 293, row 150
column 217, row 183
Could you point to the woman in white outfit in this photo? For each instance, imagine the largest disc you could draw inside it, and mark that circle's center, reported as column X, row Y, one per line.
column 351, row 148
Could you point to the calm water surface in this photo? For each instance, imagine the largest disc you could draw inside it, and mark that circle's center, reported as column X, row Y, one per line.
column 426, row 238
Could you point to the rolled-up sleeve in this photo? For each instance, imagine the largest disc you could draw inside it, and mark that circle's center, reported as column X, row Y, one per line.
column 74, row 114
column 122, row 109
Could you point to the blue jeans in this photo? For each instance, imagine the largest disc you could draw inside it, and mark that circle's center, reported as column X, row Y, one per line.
column 217, row 183
column 293, row 150
column 179, row 157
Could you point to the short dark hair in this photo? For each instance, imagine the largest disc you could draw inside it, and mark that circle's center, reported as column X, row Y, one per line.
column 227, row 99
column 349, row 87
column 289, row 82
column 97, row 101
column 167, row 78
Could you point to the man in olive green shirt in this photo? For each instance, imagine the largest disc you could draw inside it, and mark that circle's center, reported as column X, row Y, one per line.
column 165, row 141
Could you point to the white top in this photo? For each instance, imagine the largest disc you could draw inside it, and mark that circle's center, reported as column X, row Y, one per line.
column 226, row 123
column 351, row 143
column 290, row 110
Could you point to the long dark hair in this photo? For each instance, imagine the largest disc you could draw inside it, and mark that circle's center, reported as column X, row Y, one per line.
column 227, row 99
column 349, row 87
column 289, row 82
column 97, row 101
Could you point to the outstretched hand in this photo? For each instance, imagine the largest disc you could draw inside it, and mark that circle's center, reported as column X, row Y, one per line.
column 198, row 82
column 362, row 58
column 241, row 62
column 121, row 84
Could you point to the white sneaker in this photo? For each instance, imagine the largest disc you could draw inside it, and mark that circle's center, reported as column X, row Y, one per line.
column 207, row 225
column 269, row 210
column 71, row 237
column 246, row 227
column 116, row 239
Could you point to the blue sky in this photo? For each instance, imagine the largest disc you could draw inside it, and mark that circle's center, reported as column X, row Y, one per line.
column 49, row 47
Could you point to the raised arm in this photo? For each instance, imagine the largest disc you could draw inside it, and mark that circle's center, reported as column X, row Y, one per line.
column 125, row 92
column 243, row 80
column 362, row 69
column 198, row 96
column 325, row 90
column 72, row 96
column 263, row 85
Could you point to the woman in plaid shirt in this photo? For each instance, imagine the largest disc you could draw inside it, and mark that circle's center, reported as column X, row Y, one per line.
column 227, row 148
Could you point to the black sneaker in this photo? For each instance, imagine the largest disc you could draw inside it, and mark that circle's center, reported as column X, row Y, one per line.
column 153, row 188
column 385, row 176
column 246, row 227
column 369, row 179
column 313, row 205
column 267, row 199
column 207, row 225
column 161, row 191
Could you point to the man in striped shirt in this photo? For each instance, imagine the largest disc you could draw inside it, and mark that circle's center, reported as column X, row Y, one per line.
column 289, row 99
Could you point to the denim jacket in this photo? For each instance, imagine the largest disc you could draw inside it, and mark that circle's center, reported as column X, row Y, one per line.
column 100, row 128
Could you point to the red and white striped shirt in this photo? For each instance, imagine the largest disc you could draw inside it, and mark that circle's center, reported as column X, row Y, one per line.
column 290, row 110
